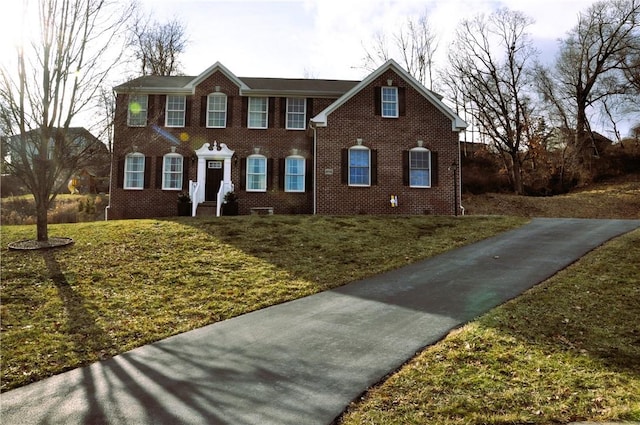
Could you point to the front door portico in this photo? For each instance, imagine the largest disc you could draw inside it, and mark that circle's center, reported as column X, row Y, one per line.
column 214, row 173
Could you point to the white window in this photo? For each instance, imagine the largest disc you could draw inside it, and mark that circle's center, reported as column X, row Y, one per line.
column 359, row 166
column 294, row 174
column 256, row 173
column 296, row 113
column 137, row 111
column 175, row 111
column 217, row 110
column 134, row 171
column 390, row 102
column 419, row 167
column 172, row 171
column 258, row 112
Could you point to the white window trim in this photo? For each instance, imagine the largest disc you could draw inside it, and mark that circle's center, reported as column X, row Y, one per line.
column 397, row 112
column 304, row 173
column 166, row 114
column 266, row 112
column 212, row 110
column 419, row 149
column 145, row 110
column 126, row 160
column 264, row 158
column 362, row 148
column 164, row 164
column 303, row 113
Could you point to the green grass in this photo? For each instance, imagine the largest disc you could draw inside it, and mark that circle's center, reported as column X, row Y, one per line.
column 127, row 283
column 567, row 350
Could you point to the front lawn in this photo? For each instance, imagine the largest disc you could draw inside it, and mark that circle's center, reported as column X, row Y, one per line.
column 127, row 283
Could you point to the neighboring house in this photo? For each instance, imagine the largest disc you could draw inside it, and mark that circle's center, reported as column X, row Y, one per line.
column 295, row 145
column 94, row 163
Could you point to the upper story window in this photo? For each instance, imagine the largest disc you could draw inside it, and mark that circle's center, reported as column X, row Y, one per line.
column 175, row 111
column 134, row 171
column 359, row 166
column 419, row 167
column 217, row 110
column 296, row 113
column 390, row 102
column 256, row 173
column 137, row 110
column 172, row 171
column 294, row 174
column 258, row 112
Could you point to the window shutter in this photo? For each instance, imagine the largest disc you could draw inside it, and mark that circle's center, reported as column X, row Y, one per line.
column 243, row 173
column 187, row 110
column 374, row 167
column 434, row 169
column 245, row 109
column 147, row 172
column 185, row 173
column 309, row 109
column 151, row 108
column 121, row 173
column 281, row 172
column 203, row 111
column 229, row 111
column 405, row 168
column 402, row 101
column 269, row 173
column 158, row 172
column 308, row 174
column 162, row 107
column 283, row 112
column 377, row 100
column 344, row 172
column 271, row 112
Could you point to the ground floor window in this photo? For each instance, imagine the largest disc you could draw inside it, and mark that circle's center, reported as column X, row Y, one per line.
column 419, row 167
column 294, row 174
column 134, row 171
column 256, row 173
column 172, row 172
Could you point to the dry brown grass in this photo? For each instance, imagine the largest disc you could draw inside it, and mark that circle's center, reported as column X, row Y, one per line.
column 606, row 200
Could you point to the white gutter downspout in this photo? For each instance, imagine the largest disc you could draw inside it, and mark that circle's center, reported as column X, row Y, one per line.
column 315, row 167
column 460, row 175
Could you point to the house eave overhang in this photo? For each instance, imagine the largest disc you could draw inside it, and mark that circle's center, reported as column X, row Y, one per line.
column 152, row 90
column 291, row 93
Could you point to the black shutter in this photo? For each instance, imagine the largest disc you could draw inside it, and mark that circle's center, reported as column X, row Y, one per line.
column 309, row 109
column 245, row 109
column 121, row 173
column 187, row 110
column 159, row 170
column 377, row 99
column 434, row 168
column 151, row 108
column 243, row 173
column 271, row 111
column 229, row 111
column 344, row 165
column 402, row 101
column 308, row 174
column 162, row 100
column 374, row 167
column 281, row 171
column 405, row 168
column 203, row 111
column 147, row 172
column 269, row 173
column 185, row 173
column 283, row 112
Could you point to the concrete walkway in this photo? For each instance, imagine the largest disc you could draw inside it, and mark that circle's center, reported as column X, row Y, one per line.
column 302, row 362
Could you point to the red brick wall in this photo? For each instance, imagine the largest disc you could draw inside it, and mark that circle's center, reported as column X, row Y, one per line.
column 390, row 137
column 354, row 119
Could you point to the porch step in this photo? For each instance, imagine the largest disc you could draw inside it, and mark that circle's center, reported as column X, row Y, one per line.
column 207, row 208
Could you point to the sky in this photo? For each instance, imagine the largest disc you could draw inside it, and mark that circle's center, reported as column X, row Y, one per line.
column 325, row 38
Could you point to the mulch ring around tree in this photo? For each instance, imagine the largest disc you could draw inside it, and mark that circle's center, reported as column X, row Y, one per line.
column 31, row 244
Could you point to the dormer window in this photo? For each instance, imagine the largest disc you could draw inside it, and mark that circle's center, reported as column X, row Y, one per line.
column 389, row 99
column 217, row 110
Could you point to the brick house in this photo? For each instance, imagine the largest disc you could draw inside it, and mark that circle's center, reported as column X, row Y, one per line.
column 298, row 146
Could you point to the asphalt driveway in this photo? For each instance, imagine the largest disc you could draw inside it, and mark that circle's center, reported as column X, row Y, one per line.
column 302, row 362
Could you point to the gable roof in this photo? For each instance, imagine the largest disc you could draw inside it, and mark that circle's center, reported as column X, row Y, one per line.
column 457, row 123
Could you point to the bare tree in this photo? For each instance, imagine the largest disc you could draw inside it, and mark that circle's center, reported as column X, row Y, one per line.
column 56, row 76
column 157, row 46
column 590, row 70
column 489, row 64
column 414, row 45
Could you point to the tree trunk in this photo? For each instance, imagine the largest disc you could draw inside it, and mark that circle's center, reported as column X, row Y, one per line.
column 41, row 221
column 516, row 169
